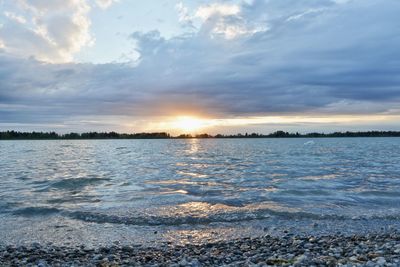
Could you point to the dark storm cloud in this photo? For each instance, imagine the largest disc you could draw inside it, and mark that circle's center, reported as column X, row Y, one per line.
column 310, row 56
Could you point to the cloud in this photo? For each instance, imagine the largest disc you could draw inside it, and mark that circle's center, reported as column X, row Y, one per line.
column 183, row 14
column 298, row 65
column 312, row 57
column 104, row 4
column 51, row 31
column 16, row 18
column 219, row 19
column 207, row 11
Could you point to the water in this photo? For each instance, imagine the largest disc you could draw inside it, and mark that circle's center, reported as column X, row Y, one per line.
column 99, row 191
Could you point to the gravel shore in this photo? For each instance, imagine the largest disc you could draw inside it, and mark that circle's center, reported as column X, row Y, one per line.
column 333, row 250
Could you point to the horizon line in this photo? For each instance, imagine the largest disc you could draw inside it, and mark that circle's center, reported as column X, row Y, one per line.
column 52, row 135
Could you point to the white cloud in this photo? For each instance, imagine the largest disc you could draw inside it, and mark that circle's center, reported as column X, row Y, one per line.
column 218, row 20
column 19, row 19
column 104, row 4
column 51, row 31
column 183, row 13
column 305, row 13
column 208, row 11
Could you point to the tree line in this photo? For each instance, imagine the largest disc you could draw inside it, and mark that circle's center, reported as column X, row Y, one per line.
column 89, row 135
column 16, row 135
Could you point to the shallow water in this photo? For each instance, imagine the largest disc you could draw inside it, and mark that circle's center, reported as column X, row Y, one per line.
column 99, row 188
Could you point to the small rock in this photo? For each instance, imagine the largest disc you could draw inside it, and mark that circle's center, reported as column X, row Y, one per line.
column 381, row 261
column 301, row 259
column 183, row 263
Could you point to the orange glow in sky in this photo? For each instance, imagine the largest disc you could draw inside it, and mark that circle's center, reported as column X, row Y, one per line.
column 189, row 124
column 193, row 124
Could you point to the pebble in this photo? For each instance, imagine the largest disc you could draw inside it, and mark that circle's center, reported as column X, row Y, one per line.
column 332, row 250
column 381, row 261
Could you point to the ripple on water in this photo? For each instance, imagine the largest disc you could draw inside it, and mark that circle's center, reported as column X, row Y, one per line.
column 76, row 183
column 232, row 179
column 36, row 211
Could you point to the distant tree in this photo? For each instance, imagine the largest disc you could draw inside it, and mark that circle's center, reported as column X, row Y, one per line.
column 203, row 136
column 185, row 136
column 14, row 135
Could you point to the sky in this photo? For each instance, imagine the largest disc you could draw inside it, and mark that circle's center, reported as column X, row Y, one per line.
column 185, row 66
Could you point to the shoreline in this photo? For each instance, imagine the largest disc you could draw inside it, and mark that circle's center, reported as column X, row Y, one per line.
column 16, row 135
column 373, row 249
column 201, row 138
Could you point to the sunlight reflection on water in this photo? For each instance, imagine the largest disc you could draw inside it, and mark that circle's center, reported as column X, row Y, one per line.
column 200, row 181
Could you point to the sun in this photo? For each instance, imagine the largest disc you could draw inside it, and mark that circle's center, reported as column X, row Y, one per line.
column 189, row 124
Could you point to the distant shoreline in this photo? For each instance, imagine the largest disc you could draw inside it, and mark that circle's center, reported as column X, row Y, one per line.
column 15, row 135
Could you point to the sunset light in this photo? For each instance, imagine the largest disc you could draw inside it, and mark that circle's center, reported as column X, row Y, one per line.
column 199, row 133
column 189, row 124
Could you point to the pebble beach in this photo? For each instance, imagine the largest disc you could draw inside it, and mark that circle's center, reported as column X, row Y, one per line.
column 289, row 250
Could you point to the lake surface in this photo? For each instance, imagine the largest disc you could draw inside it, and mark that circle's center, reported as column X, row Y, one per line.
column 99, row 191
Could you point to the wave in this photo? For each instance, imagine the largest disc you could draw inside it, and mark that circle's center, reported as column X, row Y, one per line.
column 148, row 219
column 6, row 206
column 76, row 183
column 234, row 217
column 36, row 211
column 74, row 199
column 28, row 150
column 381, row 193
